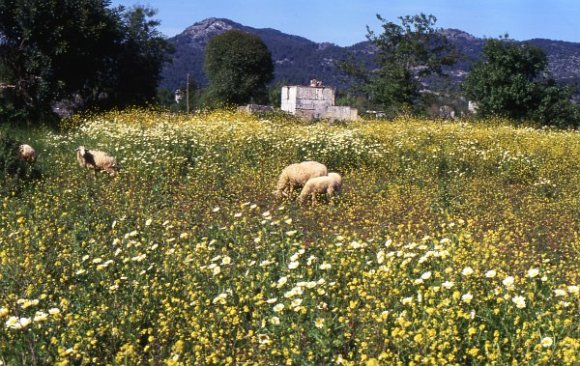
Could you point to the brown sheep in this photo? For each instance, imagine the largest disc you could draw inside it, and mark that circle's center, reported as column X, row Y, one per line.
column 329, row 185
column 97, row 161
column 27, row 153
column 296, row 175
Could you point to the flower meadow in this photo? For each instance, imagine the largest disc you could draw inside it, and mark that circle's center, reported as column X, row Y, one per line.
column 450, row 244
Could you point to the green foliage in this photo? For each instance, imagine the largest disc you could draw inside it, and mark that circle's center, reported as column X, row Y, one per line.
column 406, row 53
column 167, row 98
column 554, row 106
column 275, row 93
column 53, row 48
column 239, row 67
column 79, row 53
column 503, row 82
column 509, row 82
column 9, row 162
column 141, row 55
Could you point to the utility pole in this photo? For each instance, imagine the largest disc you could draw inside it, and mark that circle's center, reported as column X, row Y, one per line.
column 187, row 94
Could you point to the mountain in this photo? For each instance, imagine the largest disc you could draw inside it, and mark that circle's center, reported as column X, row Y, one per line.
column 297, row 59
column 563, row 59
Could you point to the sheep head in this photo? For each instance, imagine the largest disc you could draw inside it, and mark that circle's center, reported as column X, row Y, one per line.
column 82, row 150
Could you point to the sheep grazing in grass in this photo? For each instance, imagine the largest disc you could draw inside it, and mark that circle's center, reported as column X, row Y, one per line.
column 27, row 153
column 328, row 185
column 97, row 161
column 296, row 175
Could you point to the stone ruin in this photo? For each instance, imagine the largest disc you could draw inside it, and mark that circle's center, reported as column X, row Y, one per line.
column 315, row 101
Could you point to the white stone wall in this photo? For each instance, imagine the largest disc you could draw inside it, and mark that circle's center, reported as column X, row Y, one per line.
column 472, row 107
column 314, row 102
column 288, row 99
column 342, row 113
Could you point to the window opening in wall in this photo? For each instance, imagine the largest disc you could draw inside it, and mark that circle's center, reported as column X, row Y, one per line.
column 318, row 94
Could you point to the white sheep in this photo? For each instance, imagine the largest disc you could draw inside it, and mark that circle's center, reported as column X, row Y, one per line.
column 328, row 185
column 296, row 175
column 97, row 160
column 27, row 153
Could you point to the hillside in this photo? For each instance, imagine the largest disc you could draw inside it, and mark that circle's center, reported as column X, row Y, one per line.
column 298, row 59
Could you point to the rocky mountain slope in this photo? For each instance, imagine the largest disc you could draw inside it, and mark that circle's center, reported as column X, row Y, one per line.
column 297, row 59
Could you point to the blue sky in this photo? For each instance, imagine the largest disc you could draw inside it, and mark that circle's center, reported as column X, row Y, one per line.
column 344, row 22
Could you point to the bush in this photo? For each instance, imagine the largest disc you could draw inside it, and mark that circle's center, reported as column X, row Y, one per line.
column 9, row 162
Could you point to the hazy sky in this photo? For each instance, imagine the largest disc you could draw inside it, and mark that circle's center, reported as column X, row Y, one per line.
column 344, row 22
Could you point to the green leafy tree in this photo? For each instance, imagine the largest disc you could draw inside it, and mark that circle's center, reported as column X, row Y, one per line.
column 503, row 82
column 275, row 93
column 511, row 81
column 555, row 106
column 141, row 56
column 405, row 54
column 76, row 50
column 239, row 67
column 49, row 48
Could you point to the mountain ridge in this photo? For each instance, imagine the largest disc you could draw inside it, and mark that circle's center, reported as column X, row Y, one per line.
column 298, row 59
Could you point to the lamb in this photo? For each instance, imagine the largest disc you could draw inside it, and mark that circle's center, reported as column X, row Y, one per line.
column 327, row 185
column 296, row 175
column 27, row 153
column 97, row 160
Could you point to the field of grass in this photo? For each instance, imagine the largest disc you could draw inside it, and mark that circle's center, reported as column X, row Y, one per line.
column 450, row 244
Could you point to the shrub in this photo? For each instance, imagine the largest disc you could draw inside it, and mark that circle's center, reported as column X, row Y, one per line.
column 10, row 165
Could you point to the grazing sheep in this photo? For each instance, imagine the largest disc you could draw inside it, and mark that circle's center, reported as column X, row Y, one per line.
column 27, row 153
column 328, row 185
column 97, row 160
column 296, row 175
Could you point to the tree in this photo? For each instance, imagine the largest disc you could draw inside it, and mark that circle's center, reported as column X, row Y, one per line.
column 275, row 93
column 238, row 66
column 405, row 53
column 76, row 50
column 555, row 106
column 48, row 48
column 503, row 82
column 511, row 81
column 141, row 56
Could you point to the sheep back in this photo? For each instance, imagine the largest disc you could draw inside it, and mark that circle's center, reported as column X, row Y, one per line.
column 97, row 160
column 328, row 185
column 296, row 175
column 26, row 153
